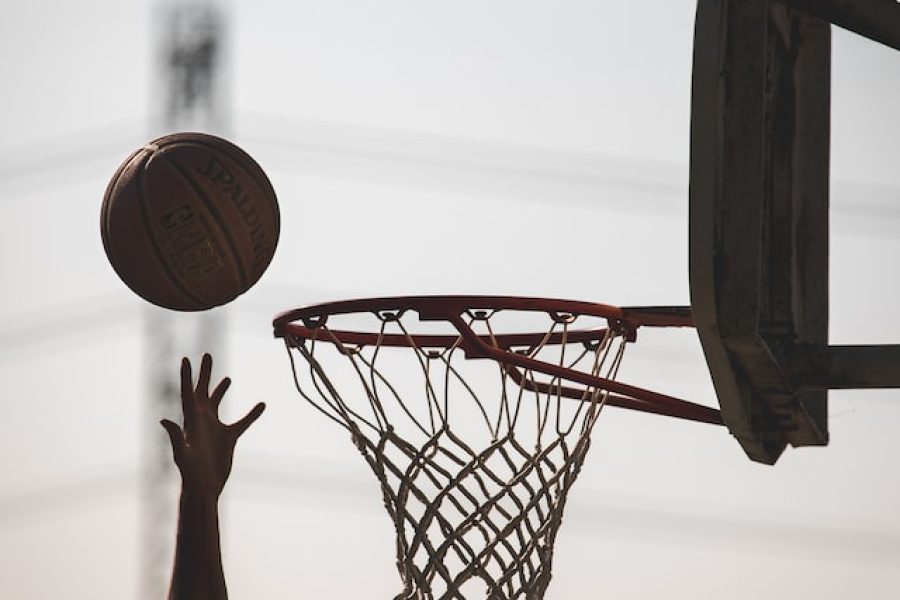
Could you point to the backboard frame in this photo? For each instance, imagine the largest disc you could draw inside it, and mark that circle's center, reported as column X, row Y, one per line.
column 759, row 228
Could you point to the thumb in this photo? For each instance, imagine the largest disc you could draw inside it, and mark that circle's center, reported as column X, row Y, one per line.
column 241, row 426
column 175, row 436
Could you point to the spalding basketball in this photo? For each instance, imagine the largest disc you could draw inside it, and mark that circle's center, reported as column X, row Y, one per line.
column 190, row 221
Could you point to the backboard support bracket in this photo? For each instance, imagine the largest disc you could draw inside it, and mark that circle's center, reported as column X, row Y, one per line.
column 844, row 367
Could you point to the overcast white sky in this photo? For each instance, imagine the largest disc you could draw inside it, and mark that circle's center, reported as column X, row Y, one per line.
column 528, row 148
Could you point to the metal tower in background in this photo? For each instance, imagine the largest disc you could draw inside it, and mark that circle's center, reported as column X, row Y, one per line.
column 189, row 78
column 191, row 60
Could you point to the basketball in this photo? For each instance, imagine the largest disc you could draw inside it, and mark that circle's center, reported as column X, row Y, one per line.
column 189, row 222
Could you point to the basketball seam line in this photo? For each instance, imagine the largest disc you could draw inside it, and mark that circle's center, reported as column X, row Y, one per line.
column 224, row 147
column 105, row 211
column 157, row 251
column 243, row 282
column 263, row 185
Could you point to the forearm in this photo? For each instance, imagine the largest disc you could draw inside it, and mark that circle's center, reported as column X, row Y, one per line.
column 198, row 574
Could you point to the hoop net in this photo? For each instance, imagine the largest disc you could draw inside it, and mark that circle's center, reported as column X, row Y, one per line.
column 475, row 457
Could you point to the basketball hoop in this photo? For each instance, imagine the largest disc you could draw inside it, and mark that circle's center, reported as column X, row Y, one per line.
column 475, row 414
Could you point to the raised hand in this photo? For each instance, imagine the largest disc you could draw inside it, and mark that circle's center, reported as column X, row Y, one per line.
column 204, row 448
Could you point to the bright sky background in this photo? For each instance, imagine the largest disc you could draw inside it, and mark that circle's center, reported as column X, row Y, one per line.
column 528, row 148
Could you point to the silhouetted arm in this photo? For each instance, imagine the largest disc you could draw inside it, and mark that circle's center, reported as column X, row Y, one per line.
column 203, row 450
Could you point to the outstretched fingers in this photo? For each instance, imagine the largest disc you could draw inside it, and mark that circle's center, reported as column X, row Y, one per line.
column 193, row 399
column 216, row 397
column 205, row 372
column 187, row 385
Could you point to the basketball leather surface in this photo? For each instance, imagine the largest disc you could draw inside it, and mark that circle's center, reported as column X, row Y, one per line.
column 190, row 221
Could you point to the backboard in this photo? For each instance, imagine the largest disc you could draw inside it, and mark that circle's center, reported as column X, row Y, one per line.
column 759, row 226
